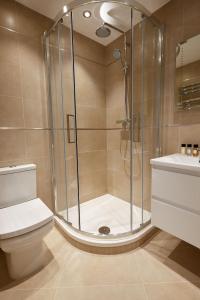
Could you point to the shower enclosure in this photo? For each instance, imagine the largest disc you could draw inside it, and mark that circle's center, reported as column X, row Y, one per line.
column 104, row 67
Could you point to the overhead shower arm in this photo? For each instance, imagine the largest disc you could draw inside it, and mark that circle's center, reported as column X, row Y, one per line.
column 113, row 27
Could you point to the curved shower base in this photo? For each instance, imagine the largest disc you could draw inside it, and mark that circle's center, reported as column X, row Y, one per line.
column 104, row 244
column 105, row 225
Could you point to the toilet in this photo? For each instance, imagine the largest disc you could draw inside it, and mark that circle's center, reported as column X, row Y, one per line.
column 24, row 220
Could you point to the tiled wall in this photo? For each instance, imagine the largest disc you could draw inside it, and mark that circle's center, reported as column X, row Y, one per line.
column 181, row 19
column 118, row 169
column 23, row 101
column 91, row 115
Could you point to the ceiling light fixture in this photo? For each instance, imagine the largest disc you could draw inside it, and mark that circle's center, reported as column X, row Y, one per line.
column 87, row 14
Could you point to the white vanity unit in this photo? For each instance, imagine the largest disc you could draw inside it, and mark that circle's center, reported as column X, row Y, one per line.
column 176, row 196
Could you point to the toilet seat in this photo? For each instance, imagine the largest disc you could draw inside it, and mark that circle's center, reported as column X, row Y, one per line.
column 23, row 218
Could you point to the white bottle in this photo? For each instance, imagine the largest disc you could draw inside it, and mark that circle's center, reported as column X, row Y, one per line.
column 189, row 149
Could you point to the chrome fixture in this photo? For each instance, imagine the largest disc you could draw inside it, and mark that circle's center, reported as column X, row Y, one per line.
column 103, row 31
column 104, row 230
column 117, row 54
column 87, row 14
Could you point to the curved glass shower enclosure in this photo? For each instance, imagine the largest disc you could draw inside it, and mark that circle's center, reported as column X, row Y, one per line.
column 104, row 62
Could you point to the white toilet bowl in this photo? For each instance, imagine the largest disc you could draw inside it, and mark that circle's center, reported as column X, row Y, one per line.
column 22, row 229
column 24, row 221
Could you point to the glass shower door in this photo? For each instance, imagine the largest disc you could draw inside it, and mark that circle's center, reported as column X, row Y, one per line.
column 147, row 75
column 60, row 63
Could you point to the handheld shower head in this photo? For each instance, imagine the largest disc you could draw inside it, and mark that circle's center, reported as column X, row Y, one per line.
column 117, row 54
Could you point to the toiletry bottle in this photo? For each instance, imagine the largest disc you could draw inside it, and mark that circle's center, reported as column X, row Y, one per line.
column 189, row 149
column 195, row 151
column 183, row 148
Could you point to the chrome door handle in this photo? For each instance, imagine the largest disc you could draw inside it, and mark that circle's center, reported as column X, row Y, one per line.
column 70, row 129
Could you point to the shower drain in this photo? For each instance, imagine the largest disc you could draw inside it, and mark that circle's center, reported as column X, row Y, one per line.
column 104, row 230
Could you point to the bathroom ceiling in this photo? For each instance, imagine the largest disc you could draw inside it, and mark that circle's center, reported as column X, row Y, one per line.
column 110, row 12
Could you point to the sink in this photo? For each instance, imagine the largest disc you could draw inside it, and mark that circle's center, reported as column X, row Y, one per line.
column 176, row 196
column 178, row 162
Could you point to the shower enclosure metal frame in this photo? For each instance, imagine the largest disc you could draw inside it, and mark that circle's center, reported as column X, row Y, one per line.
column 67, row 10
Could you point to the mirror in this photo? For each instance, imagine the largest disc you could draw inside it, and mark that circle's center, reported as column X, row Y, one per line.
column 187, row 85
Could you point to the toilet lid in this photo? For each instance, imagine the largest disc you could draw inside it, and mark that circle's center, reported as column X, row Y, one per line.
column 24, row 217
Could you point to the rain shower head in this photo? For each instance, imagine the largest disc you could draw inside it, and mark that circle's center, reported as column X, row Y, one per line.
column 103, row 32
column 117, row 54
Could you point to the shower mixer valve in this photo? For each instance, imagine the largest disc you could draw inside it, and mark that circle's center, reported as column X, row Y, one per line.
column 124, row 122
column 125, row 132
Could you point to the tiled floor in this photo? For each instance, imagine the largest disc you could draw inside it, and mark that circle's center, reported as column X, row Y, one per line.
column 107, row 210
column 163, row 269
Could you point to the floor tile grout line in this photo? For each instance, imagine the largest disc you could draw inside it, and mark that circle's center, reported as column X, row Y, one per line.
column 145, row 291
column 100, row 285
column 105, row 285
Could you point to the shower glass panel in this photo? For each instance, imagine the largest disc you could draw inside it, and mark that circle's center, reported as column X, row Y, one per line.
column 150, row 104
column 63, row 120
column 103, row 99
column 104, row 86
column 147, row 75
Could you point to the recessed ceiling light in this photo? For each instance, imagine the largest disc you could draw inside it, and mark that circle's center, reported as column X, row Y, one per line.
column 87, row 14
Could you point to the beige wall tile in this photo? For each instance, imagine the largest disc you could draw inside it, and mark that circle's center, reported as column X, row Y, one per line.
column 12, row 145
column 22, row 93
column 92, row 161
column 89, row 83
column 119, row 183
column 92, row 185
column 8, row 14
column 10, row 80
column 91, row 140
column 171, row 140
column 32, row 69
column 114, row 160
column 9, row 50
column 188, row 117
column 87, row 48
column 11, row 112
column 43, row 176
column 113, row 139
column 190, row 134
column 115, row 93
column 91, row 117
column 191, row 14
column 113, row 115
column 37, row 143
column 31, row 23
column 35, row 113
